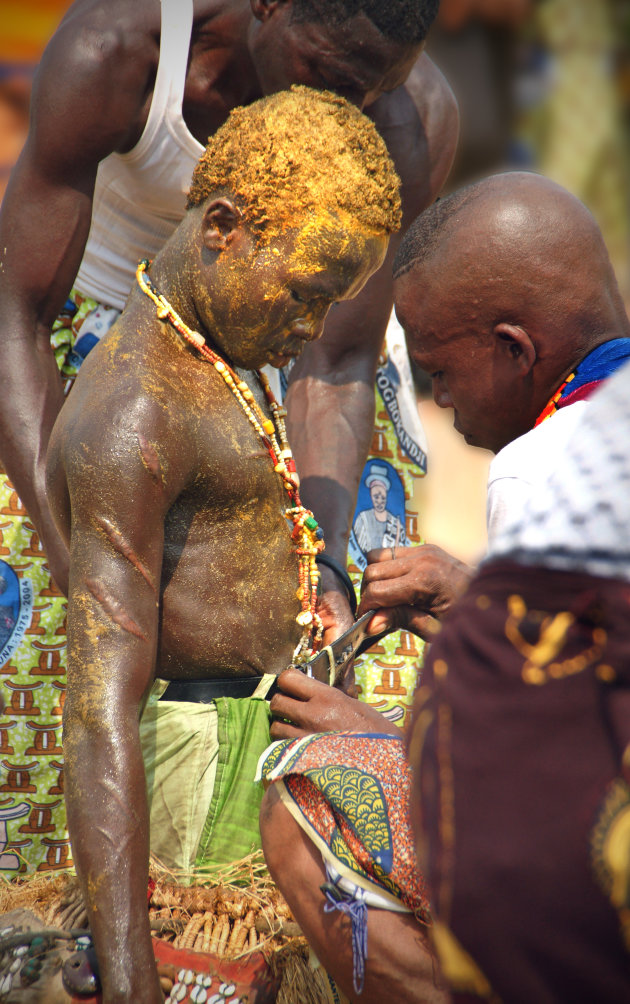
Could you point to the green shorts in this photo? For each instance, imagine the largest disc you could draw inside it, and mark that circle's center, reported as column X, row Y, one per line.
column 200, row 763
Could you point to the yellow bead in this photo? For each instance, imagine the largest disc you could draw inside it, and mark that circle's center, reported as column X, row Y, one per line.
column 268, row 426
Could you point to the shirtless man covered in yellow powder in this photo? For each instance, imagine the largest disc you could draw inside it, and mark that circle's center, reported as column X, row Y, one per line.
column 191, row 557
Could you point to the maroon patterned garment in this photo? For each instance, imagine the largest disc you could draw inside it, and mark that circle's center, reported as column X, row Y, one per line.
column 521, row 743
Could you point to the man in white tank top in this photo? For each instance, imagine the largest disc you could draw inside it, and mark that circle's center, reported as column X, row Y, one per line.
column 124, row 100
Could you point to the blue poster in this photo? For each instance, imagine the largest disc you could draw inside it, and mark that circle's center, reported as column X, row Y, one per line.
column 379, row 518
column 16, row 608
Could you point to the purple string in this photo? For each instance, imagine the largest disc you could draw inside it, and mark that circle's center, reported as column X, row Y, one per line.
column 357, row 910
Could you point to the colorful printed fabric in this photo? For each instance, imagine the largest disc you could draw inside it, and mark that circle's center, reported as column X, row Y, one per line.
column 521, row 754
column 33, row 835
column 387, row 514
column 349, row 792
column 596, row 367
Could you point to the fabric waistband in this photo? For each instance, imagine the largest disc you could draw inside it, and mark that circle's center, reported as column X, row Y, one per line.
column 206, row 691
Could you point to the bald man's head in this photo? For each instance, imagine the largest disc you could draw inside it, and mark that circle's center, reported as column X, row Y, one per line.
column 510, row 281
column 513, row 205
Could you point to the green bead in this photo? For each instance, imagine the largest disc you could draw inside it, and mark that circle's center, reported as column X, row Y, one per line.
column 311, row 523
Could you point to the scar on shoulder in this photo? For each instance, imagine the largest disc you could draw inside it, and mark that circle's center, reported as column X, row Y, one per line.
column 150, row 459
column 123, row 547
column 114, row 610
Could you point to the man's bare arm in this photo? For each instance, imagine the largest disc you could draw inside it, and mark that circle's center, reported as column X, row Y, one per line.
column 87, row 97
column 116, row 552
column 330, row 399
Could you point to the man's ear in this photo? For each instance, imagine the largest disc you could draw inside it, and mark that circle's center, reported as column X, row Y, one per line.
column 263, row 9
column 517, row 344
column 221, row 221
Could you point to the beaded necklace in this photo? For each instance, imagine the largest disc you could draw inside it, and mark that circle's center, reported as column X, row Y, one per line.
column 306, row 534
column 552, row 405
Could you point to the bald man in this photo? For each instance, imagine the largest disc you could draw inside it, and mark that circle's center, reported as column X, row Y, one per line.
column 509, row 301
column 521, row 743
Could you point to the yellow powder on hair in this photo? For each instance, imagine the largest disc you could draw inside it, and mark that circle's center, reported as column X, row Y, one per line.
column 296, row 151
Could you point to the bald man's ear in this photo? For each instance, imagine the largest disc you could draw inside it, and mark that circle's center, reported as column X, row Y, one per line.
column 518, row 344
column 222, row 221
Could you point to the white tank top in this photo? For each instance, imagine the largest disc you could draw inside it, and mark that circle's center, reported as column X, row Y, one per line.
column 140, row 196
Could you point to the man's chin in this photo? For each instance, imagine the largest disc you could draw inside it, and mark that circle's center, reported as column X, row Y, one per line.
column 468, row 437
column 472, row 440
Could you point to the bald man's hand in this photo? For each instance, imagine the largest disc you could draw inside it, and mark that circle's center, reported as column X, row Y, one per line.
column 413, row 590
column 302, row 706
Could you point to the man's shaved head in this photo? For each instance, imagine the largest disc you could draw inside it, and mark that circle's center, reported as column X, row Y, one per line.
column 398, row 20
column 502, row 288
column 513, row 207
column 523, row 243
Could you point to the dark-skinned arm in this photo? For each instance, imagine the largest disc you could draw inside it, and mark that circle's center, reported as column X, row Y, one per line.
column 87, row 95
column 330, row 400
column 116, row 552
column 302, row 706
column 412, row 591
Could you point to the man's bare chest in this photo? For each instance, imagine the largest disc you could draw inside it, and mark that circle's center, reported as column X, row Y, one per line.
column 234, row 472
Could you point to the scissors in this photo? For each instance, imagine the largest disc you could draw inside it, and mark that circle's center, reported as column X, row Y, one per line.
column 329, row 665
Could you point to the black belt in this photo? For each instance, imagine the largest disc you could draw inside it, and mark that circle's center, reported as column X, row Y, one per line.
column 205, row 691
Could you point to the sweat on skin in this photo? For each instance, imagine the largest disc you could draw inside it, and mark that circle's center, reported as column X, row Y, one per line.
column 176, row 492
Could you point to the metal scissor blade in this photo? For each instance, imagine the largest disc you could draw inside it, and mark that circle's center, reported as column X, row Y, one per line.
column 329, row 664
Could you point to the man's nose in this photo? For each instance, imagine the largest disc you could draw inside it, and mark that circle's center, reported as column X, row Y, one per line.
column 308, row 331
column 314, row 324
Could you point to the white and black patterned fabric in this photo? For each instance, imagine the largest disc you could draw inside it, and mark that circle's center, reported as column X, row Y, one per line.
column 580, row 519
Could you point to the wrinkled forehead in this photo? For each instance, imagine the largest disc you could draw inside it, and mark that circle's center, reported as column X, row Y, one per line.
column 355, row 52
column 430, row 313
column 418, row 295
column 332, row 240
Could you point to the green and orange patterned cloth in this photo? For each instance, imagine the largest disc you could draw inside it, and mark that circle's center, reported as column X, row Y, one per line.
column 391, row 485
column 33, row 835
column 349, row 791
